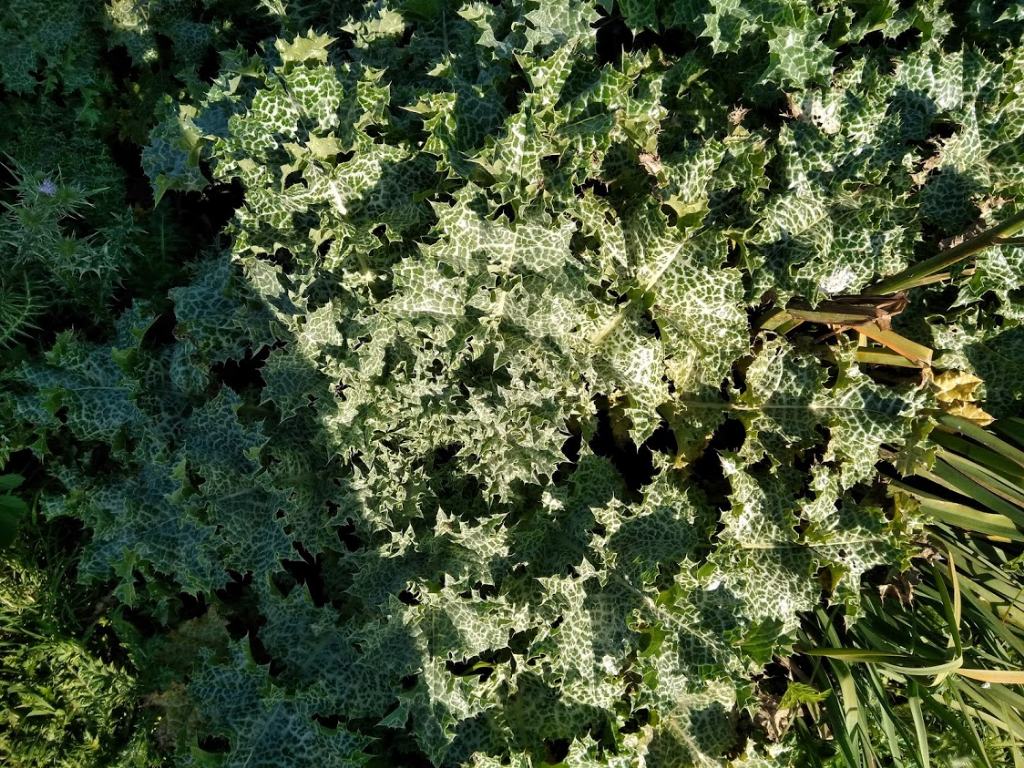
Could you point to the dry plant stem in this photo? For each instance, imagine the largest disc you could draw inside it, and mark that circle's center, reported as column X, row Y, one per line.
column 869, row 315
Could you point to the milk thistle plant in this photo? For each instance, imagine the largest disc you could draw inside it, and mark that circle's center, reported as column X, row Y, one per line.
column 542, row 383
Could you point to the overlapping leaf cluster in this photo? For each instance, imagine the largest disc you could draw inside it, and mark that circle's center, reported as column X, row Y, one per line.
column 476, row 251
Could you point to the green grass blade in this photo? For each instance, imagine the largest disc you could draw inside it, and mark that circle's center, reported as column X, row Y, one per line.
column 994, row 480
column 920, row 731
column 970, row 429
column 856, row 655
column 1001, row 715
column 985, row 615
column 969, row 518
column 981, row 490
column 979, row 745
column 892, row 726
column 945, row 713
column 986, row 457
column 1011, row 429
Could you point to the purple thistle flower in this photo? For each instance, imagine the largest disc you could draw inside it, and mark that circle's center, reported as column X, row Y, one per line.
column 47, row 187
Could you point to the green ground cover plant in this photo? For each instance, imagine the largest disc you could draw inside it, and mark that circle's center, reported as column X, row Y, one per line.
column 531, row 383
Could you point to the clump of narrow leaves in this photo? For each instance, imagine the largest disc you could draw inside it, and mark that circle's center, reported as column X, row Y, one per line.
column 463, row 446
column 931, row 673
